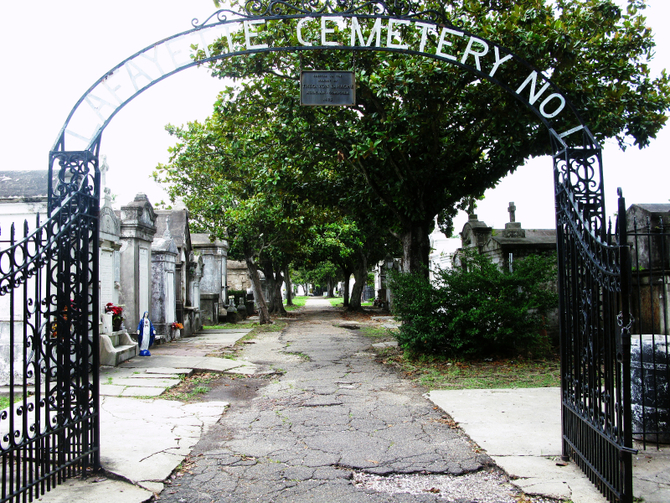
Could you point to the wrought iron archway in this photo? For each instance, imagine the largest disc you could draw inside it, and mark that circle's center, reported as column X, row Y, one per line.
column 59, row 261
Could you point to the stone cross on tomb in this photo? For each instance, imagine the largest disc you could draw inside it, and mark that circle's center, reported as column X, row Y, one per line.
column 512, row 212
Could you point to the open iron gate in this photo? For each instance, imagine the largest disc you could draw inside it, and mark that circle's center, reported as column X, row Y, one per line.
column 48, row 283
column 595, row 325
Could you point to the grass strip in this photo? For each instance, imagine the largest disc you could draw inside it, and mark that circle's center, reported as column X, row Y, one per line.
column 437, row 372
column 441, row 373
column 298, row 302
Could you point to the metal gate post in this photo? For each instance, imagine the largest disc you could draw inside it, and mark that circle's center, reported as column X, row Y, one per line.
column 623, row 354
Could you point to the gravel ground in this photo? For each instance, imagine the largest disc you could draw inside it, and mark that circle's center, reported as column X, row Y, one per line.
column 486, row 486
column 482, row 486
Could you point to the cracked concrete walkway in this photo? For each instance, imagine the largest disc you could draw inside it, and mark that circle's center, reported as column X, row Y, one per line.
column 334, row 413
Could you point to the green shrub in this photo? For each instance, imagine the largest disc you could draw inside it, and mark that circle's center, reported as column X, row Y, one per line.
column 477, row 310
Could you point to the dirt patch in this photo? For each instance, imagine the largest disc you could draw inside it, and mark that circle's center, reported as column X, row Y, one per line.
column 212, row 387
column 364, row 316
column 236, row 390
column 191, row 388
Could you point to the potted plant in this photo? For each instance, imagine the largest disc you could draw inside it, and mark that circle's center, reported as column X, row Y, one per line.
column 176, row 327
column 117, row 315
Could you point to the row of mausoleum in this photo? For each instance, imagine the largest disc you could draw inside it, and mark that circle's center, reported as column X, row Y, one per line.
column 148, row 262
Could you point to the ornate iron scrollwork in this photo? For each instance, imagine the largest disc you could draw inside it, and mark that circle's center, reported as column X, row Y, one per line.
column 280, row 8
column 75, row 174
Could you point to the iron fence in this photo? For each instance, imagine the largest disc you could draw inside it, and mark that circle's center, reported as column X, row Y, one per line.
column 649, row 240
column 49, row 333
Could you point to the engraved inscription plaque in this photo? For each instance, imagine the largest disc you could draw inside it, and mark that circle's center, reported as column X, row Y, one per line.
column 327, row 88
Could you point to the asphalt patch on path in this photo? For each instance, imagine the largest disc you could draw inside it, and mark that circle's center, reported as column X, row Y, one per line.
column 238, row 391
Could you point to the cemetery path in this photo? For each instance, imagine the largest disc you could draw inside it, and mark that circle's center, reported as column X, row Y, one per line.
column 332, row 426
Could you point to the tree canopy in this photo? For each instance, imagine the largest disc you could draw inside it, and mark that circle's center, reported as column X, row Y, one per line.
column 425, row 137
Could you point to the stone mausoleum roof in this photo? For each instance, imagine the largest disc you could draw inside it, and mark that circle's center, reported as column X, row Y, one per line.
column 24, row 185
column 531, row 237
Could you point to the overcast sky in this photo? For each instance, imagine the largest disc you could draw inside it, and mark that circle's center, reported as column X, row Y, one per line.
column 52, row 52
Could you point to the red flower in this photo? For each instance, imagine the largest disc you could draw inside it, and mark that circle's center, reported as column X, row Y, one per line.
column 117, row 312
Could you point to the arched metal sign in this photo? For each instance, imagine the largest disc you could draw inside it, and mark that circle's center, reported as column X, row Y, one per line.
column 589, row 267
column 327, row 25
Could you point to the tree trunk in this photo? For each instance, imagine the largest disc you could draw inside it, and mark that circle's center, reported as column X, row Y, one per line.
column 263, row 312
column 289, row 287
column 331, row 287
column 360, row 278
column 416, row 248
column 274, row 281
column 270, row 289
column 345, row 292
column 278, row 300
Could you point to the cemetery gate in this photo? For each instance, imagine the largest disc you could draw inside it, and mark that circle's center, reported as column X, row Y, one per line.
column 51, row 430
column 594, row 325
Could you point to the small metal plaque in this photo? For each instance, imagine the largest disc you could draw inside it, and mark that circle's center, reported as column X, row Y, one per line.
column 327, row 88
